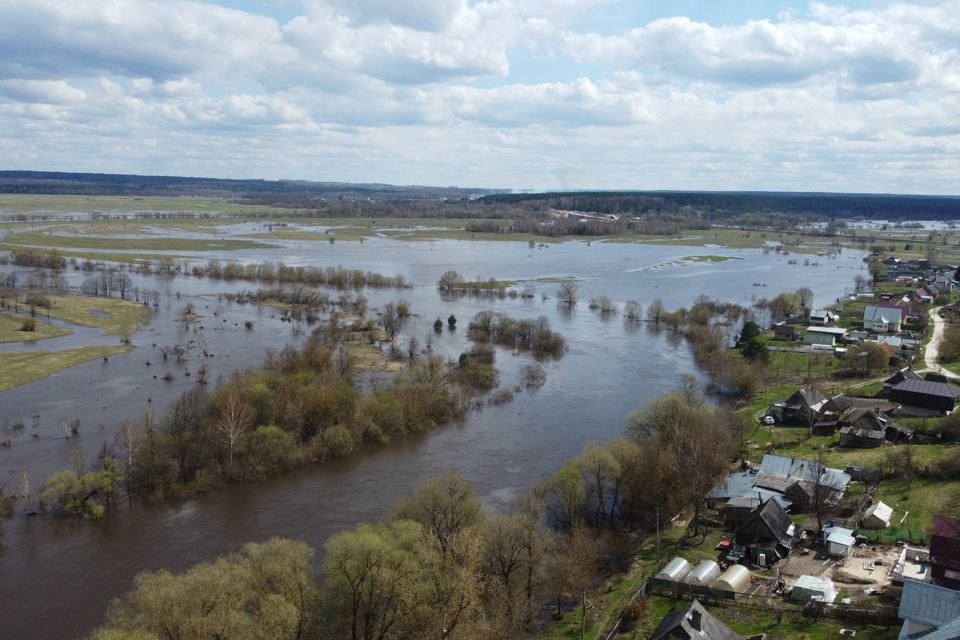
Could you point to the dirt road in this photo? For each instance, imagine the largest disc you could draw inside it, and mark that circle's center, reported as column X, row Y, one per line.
column 933, row 348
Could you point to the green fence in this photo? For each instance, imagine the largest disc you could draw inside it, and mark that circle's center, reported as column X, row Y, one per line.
column 892, row 536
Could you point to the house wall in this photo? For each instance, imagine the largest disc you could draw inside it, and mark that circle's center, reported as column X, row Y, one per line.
column 921, row 400
column 818, row 338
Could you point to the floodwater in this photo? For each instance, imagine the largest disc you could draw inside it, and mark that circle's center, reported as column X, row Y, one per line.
column 57, row 577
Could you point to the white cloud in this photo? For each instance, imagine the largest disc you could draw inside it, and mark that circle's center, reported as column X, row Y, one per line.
column 41, row 91
column 492, row 92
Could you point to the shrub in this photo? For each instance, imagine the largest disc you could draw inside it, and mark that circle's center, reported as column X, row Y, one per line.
column 29, row 325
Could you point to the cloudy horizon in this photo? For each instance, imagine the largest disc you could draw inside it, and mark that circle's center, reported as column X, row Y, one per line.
column 856, row 96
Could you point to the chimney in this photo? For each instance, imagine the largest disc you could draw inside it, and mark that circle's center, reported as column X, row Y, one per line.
column 696, row 620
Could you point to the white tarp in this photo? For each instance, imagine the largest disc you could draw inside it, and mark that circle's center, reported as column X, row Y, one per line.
column 808, row 588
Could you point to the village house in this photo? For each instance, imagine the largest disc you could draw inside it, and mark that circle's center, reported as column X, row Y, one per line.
column 801, row 409
column 693, row 622
column 945, row 552
column 770, row 531
column 822, row 317
column 929, row 612
column 784, row 331
column 866, row 428
column 883, row 319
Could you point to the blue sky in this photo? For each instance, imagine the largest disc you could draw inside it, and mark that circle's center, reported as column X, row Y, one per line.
column 861, row 95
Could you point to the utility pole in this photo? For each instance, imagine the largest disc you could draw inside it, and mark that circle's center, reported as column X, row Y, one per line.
column 583, row 613
column 658, row 536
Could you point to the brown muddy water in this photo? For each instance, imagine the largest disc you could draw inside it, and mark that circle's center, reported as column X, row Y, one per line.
column 57, row 577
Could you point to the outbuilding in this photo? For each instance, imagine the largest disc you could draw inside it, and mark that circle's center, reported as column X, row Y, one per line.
column 877, row 516
column 926, row 394
column 840, row 542
column 808, row 588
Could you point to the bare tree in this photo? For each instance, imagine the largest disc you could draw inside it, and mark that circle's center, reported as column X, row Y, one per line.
column 26, row 491
column 567, row 293
column 632, row 310
column 234, row 420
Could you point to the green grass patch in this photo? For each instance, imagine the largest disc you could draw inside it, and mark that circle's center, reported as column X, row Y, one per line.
column 17, row 368
column 12, row 323
column 122, row 317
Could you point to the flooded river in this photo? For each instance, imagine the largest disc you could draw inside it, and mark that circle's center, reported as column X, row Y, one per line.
column 57, row 577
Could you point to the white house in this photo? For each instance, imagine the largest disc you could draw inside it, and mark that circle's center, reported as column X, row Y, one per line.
column 882, row 319
column 824, row 335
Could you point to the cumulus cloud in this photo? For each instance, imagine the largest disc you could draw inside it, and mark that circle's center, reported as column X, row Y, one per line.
column 494, row 92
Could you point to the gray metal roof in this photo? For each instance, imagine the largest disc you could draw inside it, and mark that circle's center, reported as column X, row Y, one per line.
column 803, row 470
column 949, row 631
column 882, row 314
column 928, row 603
column 928, row 387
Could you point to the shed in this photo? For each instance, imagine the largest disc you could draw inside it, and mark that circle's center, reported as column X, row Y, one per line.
column 705, row 573
column 676, row 570
column 877, row 516
column 824, row 335
column 735, row 579
column 783, row 331
column 808, row 588
column 840, row 542
column 927, row 394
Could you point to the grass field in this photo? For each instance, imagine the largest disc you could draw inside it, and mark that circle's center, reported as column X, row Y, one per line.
column 114, row 316
column 10, row 324
column 46, row 239
column 29, row 203
column 19, row 368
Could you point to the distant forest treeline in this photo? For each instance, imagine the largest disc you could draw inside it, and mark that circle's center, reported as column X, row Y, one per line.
column 659, row 211
column 257, row 191
column 719, row 205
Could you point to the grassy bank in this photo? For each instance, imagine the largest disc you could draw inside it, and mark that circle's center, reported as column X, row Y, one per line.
column 114, row 316
column 46, row 239
column 22, row 367
column 12, row 323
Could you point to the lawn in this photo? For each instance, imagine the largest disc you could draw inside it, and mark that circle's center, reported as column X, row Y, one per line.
column 11, row 323
column 18, row 368
column 114, row 316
